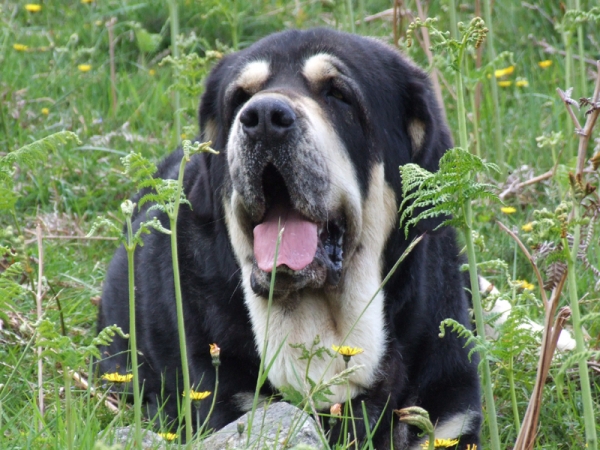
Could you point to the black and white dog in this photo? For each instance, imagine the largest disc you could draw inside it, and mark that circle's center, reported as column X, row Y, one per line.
column 312, row 127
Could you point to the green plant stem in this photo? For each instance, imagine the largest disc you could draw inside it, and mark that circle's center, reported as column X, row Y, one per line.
column 68, row 415
column 174, row 17
column 187, row 401
column 487, row 13
column 581, row 51
column 586, row 394
column 350, row 8
column 137, row 406
column 261, row 367
column 453, row 20
column 475, row 295
column 214, row 401
column 513, row 395
column 475, row 122
column 480, row 324
column 362, row 13
column 569, row 69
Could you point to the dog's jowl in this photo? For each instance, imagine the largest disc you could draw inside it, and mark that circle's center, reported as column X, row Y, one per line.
column 311, row 127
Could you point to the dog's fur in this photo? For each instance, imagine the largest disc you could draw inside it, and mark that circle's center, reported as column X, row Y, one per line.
column 317, row 123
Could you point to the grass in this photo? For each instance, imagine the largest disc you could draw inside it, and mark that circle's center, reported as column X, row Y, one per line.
column 42, row 91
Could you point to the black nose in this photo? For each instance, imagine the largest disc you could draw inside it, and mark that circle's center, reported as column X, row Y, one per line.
column 268, row 118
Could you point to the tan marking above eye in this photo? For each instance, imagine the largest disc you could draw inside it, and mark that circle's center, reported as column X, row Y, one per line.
column 416, row 131
column 320, row 67
column 253, row 76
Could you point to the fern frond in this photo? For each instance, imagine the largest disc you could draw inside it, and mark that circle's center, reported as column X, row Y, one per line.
column 33, row 153
column 426, row 195
column 478, row 343
column 574, row 358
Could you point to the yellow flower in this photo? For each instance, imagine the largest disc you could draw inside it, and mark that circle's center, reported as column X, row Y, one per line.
column 471, row 447
column 20, row 47
column 168, row 436
column 215, row 351
column 527, row 227
column 33, row 7
column 152, row 72
column 445, row 443
column 84, row 67
column 508, row 210
column 197, row 396
column 522, row 83
column 524, row 284
column 183, row 135
column 505, row 83
column 344, row 350
column 545, row 64
column 502, row 72
column 87, row 2
column 336, row 410
column 116, row 377
column 45, row 111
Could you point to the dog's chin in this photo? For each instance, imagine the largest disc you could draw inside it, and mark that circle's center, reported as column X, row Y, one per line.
column 321, row 273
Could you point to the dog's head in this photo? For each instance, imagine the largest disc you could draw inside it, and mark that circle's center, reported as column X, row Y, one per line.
column 314, row 125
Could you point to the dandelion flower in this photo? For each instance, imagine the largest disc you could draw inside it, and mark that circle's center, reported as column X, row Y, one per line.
column 522, row 83
column 441, row 443
column 527, row 227
column 152, row 72
column 197, row 396
column 45, row 111
column 524, row 284
column 344, row 350
column 503, row 72
column 167, row 436
column 116, row 377
column 33, row 7
column 545, row 64
column 183, row 135
column 471, row 447
column 20, row 47
column 508, row 209
column 87, row 2
column 84, row 67
column 504, row 83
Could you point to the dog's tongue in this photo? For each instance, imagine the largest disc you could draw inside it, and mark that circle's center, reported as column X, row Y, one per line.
column 298, row 244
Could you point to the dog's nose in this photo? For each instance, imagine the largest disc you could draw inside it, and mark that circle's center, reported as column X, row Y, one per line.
column 268, row 118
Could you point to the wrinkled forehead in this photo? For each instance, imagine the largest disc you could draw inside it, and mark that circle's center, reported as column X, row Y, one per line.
column 270, row 70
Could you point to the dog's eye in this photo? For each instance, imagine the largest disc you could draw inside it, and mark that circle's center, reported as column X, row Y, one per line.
column 239, row 98
column 338, row 94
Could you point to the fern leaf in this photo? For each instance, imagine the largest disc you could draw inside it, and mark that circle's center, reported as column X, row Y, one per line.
column 427, row 195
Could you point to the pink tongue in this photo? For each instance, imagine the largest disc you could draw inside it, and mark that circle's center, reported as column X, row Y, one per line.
column 298, row 244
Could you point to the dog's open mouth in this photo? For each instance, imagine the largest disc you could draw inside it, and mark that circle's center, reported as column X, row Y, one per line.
column 308, row 249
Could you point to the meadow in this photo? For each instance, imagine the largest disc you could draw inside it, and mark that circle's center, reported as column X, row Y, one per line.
column 97, row 69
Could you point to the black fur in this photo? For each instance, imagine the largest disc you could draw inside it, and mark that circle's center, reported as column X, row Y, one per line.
column 418, row 368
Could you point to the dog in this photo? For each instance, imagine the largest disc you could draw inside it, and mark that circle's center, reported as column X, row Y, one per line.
column 312, row 127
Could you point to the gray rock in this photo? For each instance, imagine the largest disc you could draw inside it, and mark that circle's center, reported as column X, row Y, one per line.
column 275, row 426
column 124, row 436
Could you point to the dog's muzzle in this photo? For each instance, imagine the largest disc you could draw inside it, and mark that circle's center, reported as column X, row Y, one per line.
column 282, row 178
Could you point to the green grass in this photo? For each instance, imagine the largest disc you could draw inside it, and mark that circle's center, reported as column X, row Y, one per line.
column 78, row 182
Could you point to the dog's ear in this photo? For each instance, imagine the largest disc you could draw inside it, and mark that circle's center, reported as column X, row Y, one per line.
column 210, row 114
column 205, row 171
column 427, row 130
column 426, row 123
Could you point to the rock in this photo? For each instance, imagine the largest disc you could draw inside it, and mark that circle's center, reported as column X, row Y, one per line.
column 124, row 436
column 278, row 425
